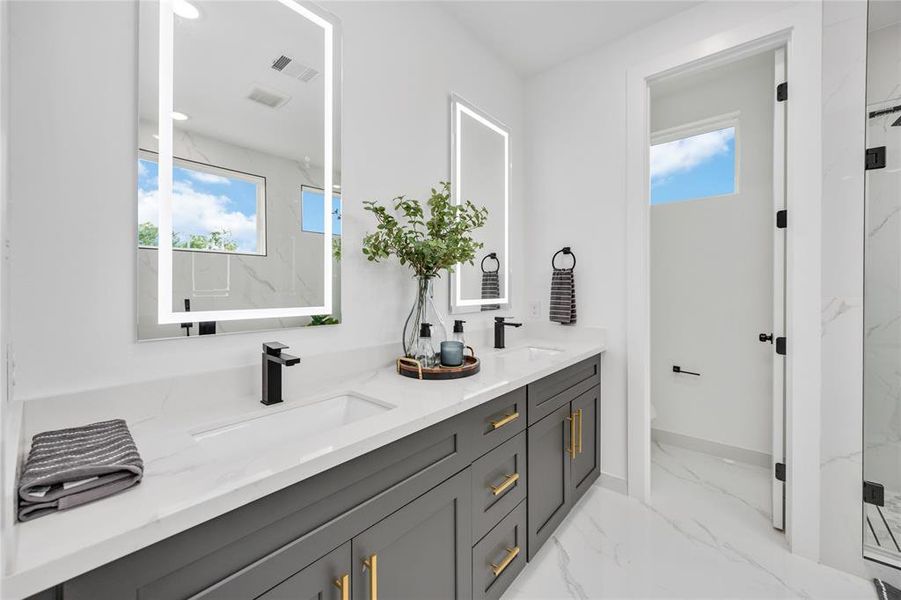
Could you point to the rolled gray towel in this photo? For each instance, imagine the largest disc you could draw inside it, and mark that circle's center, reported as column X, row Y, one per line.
column 563, row 297
column 70, row 467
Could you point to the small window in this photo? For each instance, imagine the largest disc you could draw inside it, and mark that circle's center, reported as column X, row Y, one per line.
column 691, row 167
column 213, row 209
column 311, row 218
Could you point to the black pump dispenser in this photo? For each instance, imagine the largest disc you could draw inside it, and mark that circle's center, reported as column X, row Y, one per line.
column 425, row 330
column 458, row 326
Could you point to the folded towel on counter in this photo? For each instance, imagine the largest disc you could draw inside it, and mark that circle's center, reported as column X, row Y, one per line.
column 491, row 288
column 563, row 296
column 69, row 467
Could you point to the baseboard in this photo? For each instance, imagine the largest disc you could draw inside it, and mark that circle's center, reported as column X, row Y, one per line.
column 614, row 483
column 688, row 442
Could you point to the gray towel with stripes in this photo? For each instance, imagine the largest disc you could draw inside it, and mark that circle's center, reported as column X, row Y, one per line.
column 69, row 467
column 491, row 288
column 563, row 296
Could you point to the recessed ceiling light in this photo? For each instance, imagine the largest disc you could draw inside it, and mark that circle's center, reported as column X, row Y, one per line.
column 156, row 137
column 179, row 116
column 185, row 9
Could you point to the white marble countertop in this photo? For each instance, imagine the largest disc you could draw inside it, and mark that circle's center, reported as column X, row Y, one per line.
column 185, row 484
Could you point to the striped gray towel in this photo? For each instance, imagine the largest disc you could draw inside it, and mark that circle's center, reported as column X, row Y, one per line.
column 69, row 467
column 885, row 591
column 491, row 288
column 563, row 296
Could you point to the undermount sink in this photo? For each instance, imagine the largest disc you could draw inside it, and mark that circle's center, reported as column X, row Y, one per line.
column 279, row 425
column 530, row 352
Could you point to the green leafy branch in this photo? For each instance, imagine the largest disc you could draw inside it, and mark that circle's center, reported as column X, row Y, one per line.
column 429, row 243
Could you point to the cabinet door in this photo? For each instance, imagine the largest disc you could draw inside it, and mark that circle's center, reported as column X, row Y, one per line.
column 550, row 466
column 586, row 466
column 326, row 579
column 421, row 552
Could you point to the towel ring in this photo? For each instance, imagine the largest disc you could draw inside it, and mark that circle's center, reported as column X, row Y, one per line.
column 494, row 256
column 564, row 250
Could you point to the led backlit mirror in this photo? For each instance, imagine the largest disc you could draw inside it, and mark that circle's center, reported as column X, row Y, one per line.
column 480, row 173
column 238, row 186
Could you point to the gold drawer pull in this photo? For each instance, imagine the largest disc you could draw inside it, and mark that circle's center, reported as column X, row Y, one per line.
column 579, row 445
column 372, row 564
column 572, row 435
column 511, row 554
column 499, row 489
column 343, row 584
column 503, row 421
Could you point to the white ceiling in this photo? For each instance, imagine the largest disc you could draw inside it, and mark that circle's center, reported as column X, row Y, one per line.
column 532, row 36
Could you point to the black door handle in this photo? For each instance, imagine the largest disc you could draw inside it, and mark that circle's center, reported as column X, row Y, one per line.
column 763, row 337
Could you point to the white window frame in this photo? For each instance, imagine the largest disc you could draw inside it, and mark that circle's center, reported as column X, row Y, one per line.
column 257, row 180
column 700, row 127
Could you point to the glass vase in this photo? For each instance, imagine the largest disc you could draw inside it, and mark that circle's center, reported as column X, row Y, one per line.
column 424, row 310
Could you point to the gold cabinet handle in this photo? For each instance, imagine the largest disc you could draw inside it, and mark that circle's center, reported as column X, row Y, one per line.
column 503, row 421
column 372, row 564
column 343, row 584
column 572, row 435
column 579, row 445
column 499, row 489
column 512, row 553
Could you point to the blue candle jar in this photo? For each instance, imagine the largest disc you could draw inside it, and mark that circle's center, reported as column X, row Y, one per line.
column 451, row 353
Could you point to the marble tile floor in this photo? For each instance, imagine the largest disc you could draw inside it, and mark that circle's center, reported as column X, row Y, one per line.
column 707, row 535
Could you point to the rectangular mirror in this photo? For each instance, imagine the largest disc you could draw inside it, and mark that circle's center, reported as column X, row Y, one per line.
column 480, row 173
column 238, row 187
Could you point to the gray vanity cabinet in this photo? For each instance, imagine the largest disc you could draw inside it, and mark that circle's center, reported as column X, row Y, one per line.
column 325, row 579
column 447, row 513
column 586, row 466
column 550, row 468
column 421, row 552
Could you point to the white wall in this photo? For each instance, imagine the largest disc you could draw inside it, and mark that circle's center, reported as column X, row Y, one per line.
column 73, row 173
column 711, row 269
column 576, row 183
column 844, row 77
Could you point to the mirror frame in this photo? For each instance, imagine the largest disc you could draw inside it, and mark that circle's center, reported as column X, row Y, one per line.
column 332, row 95
column 459, row 107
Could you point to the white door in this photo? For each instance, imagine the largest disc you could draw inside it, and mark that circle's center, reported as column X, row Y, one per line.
column 779, row 241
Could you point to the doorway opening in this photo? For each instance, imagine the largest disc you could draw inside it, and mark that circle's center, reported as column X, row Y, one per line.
column 717, row 287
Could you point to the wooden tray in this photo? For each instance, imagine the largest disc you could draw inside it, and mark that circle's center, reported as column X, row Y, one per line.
column 409, row 367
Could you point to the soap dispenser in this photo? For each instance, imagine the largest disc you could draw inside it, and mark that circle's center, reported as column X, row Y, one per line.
column 458, row 332
column 425, row 351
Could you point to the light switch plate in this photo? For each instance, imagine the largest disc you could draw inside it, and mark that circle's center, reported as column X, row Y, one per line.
column 535, row 309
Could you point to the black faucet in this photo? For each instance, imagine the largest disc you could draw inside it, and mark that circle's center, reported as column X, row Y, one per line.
column 499, row 324
column 273, row 359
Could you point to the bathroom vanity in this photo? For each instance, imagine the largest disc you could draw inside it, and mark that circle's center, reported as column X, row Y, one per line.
column 452, row 510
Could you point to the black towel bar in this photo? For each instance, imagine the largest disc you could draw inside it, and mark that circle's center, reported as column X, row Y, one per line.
column 678, row 369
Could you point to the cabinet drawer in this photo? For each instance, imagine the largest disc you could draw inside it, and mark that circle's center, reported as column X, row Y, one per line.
column 498, row 484
column 500, row 556
column 498, row 420
column 550, row 393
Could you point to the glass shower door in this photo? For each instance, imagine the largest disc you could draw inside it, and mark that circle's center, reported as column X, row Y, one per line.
column 882, row 287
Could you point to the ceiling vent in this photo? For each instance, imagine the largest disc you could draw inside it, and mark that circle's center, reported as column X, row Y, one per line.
column 267, row 97
column 292, row 68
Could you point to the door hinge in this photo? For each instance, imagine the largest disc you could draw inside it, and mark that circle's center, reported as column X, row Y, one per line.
column 873, row 493
column 875, row 158
column 780, row 471
column 780, row 346
column 781, row 219
column 782, row 92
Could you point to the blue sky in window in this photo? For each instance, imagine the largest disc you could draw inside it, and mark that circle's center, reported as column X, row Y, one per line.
column 311, row 219
column 201, row 203
column 693, row 167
